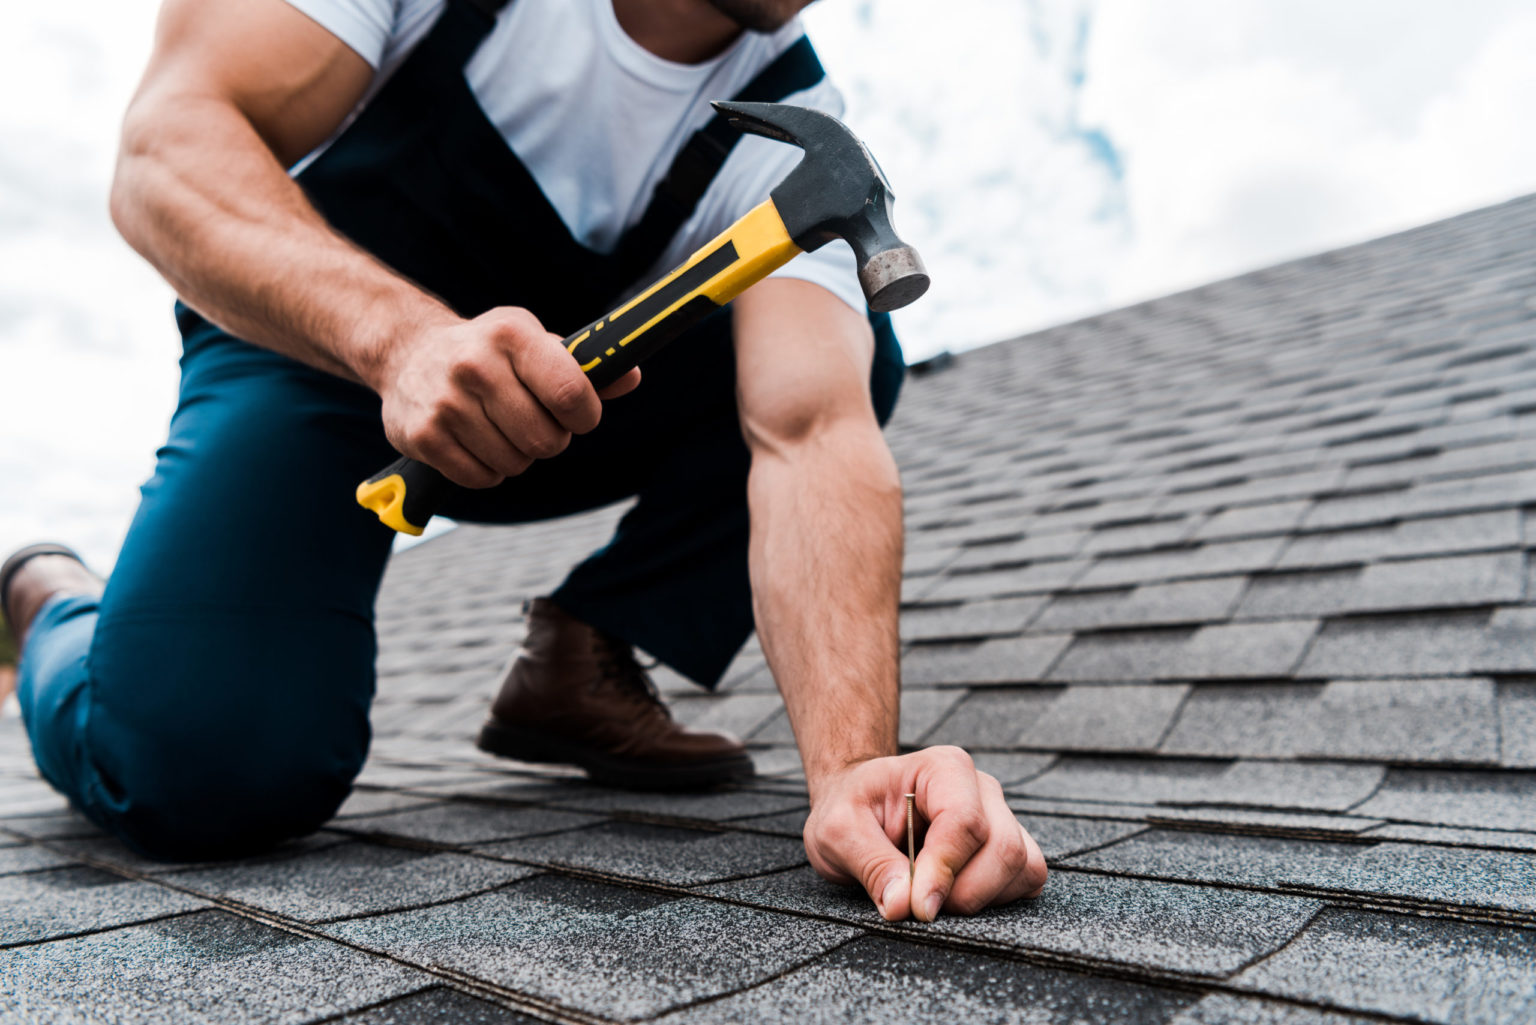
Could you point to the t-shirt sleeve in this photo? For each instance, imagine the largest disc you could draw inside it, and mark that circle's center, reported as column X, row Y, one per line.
column 756, row 166
column 364, row 25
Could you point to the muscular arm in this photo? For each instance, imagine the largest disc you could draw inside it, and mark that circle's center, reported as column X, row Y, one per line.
column 825, row 558
column 233, row 95
column 201, row 190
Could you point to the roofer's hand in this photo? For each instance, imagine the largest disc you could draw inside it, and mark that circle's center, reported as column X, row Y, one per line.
column 974, row 854
column 481, row 399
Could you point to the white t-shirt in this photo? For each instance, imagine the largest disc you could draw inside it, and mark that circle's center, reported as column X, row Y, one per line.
column 597, row 119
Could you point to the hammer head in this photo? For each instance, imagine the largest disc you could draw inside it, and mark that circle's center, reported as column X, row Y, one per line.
column 837, row 191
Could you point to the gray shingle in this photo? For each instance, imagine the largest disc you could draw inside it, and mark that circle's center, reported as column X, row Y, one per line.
column 1517, row 724
column 1320, row 786
column 1170, row 926
column 877, row 981
column 1452, row 836
column 350, row 879
column 1433, row 720
column 599, row 949
column 1030, row 548
column 1010, row 767
column 1139, row 537
column 1253, row 520
column 52, row 826
column 1462, row 876
column 1228, row 1009
column 210, row 967
column 1223, row 818
column 1007, row 660
column 1440, row 498
column 1437, row 644
column 1211, row 858
column 1287, row 485
column 1215, row 558
column 710, row 806
column 1190, row 601
column 1221, row 652
column 1427, row 969
column 1464, row 580
column 1034, row 578
column 463, row 822
column 1196, row 930
column 1458, row 876
column 378, row 802
column 1509, row 644
column 1061, row 835
column 26, row 858
column 786, row 823
column 661, row 854
column 923, row 709
column 999, row 618
column 1487, row 800
column 437, row 1007
column 736, row 714
column 64, row 901
column 109, row 851
column 1130, row 717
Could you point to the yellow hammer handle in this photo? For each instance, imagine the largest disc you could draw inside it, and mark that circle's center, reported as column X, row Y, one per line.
column 406, row 493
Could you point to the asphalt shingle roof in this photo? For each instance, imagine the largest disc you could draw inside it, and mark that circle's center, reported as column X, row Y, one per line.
column 1231, row 590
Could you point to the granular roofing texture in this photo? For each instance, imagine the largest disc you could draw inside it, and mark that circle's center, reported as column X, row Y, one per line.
column 1231, row 590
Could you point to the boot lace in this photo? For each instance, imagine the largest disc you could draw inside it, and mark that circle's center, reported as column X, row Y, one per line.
column 618, row 668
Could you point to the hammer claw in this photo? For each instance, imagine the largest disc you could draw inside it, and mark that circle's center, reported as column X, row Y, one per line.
column 837, row 191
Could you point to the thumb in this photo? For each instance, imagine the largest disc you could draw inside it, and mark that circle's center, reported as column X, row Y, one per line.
column 887, row 878
column 623, row 386
column 862, row 849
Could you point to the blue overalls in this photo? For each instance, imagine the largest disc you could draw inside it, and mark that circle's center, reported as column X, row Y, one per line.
column 215, row 699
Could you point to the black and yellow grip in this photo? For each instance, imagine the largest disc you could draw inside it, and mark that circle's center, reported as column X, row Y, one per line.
column 406, row 494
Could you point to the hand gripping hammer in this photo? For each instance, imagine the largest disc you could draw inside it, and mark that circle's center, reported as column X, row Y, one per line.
column 836, row 191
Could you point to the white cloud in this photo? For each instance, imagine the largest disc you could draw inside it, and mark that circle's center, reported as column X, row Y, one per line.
column 1253, row 133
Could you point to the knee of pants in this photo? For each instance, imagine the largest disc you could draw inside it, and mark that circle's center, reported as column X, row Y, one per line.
column 231, row 792
column 217, row 733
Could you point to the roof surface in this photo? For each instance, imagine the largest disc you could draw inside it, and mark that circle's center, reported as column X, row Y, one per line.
column 1231, row 591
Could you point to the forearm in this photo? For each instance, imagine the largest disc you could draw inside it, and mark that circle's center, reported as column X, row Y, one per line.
column 200, row 196
column 825, row 560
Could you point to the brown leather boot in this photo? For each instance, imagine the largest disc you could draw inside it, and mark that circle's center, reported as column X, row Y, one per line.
column 36, row 573
column 576, row 696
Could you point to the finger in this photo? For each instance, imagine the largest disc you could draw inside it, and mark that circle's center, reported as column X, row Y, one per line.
column 857, row 846
column 556, row 381
column 475, row 432
column 449, row 457
column 1037, row 866
column 523, row 424
column 623, row 386
column 1000, row 872
column 949, row 798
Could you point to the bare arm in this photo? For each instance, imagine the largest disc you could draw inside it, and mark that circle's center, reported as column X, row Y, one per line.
column 234, row 94
column 825, row 556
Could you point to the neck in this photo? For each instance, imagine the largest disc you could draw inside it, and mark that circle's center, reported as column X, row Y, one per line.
column 684, row 31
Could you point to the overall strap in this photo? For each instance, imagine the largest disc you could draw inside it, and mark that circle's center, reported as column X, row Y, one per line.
column 458, row 31
column 678, row 194
column 489, row 8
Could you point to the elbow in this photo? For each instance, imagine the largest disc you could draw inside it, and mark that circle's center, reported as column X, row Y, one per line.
column 838, row 438
column 125, row 197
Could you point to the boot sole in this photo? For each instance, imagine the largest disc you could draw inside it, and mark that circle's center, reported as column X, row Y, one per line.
column 505, row 741
column 20, row 558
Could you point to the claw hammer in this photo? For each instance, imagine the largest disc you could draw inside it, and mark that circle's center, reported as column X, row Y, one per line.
column 836, row 191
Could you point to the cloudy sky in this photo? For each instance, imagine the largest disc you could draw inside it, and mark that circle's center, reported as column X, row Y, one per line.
column 1051, row 158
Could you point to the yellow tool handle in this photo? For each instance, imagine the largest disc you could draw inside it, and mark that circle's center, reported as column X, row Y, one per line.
column 406, row 493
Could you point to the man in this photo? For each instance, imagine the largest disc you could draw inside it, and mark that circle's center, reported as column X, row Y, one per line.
column 387, row 211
